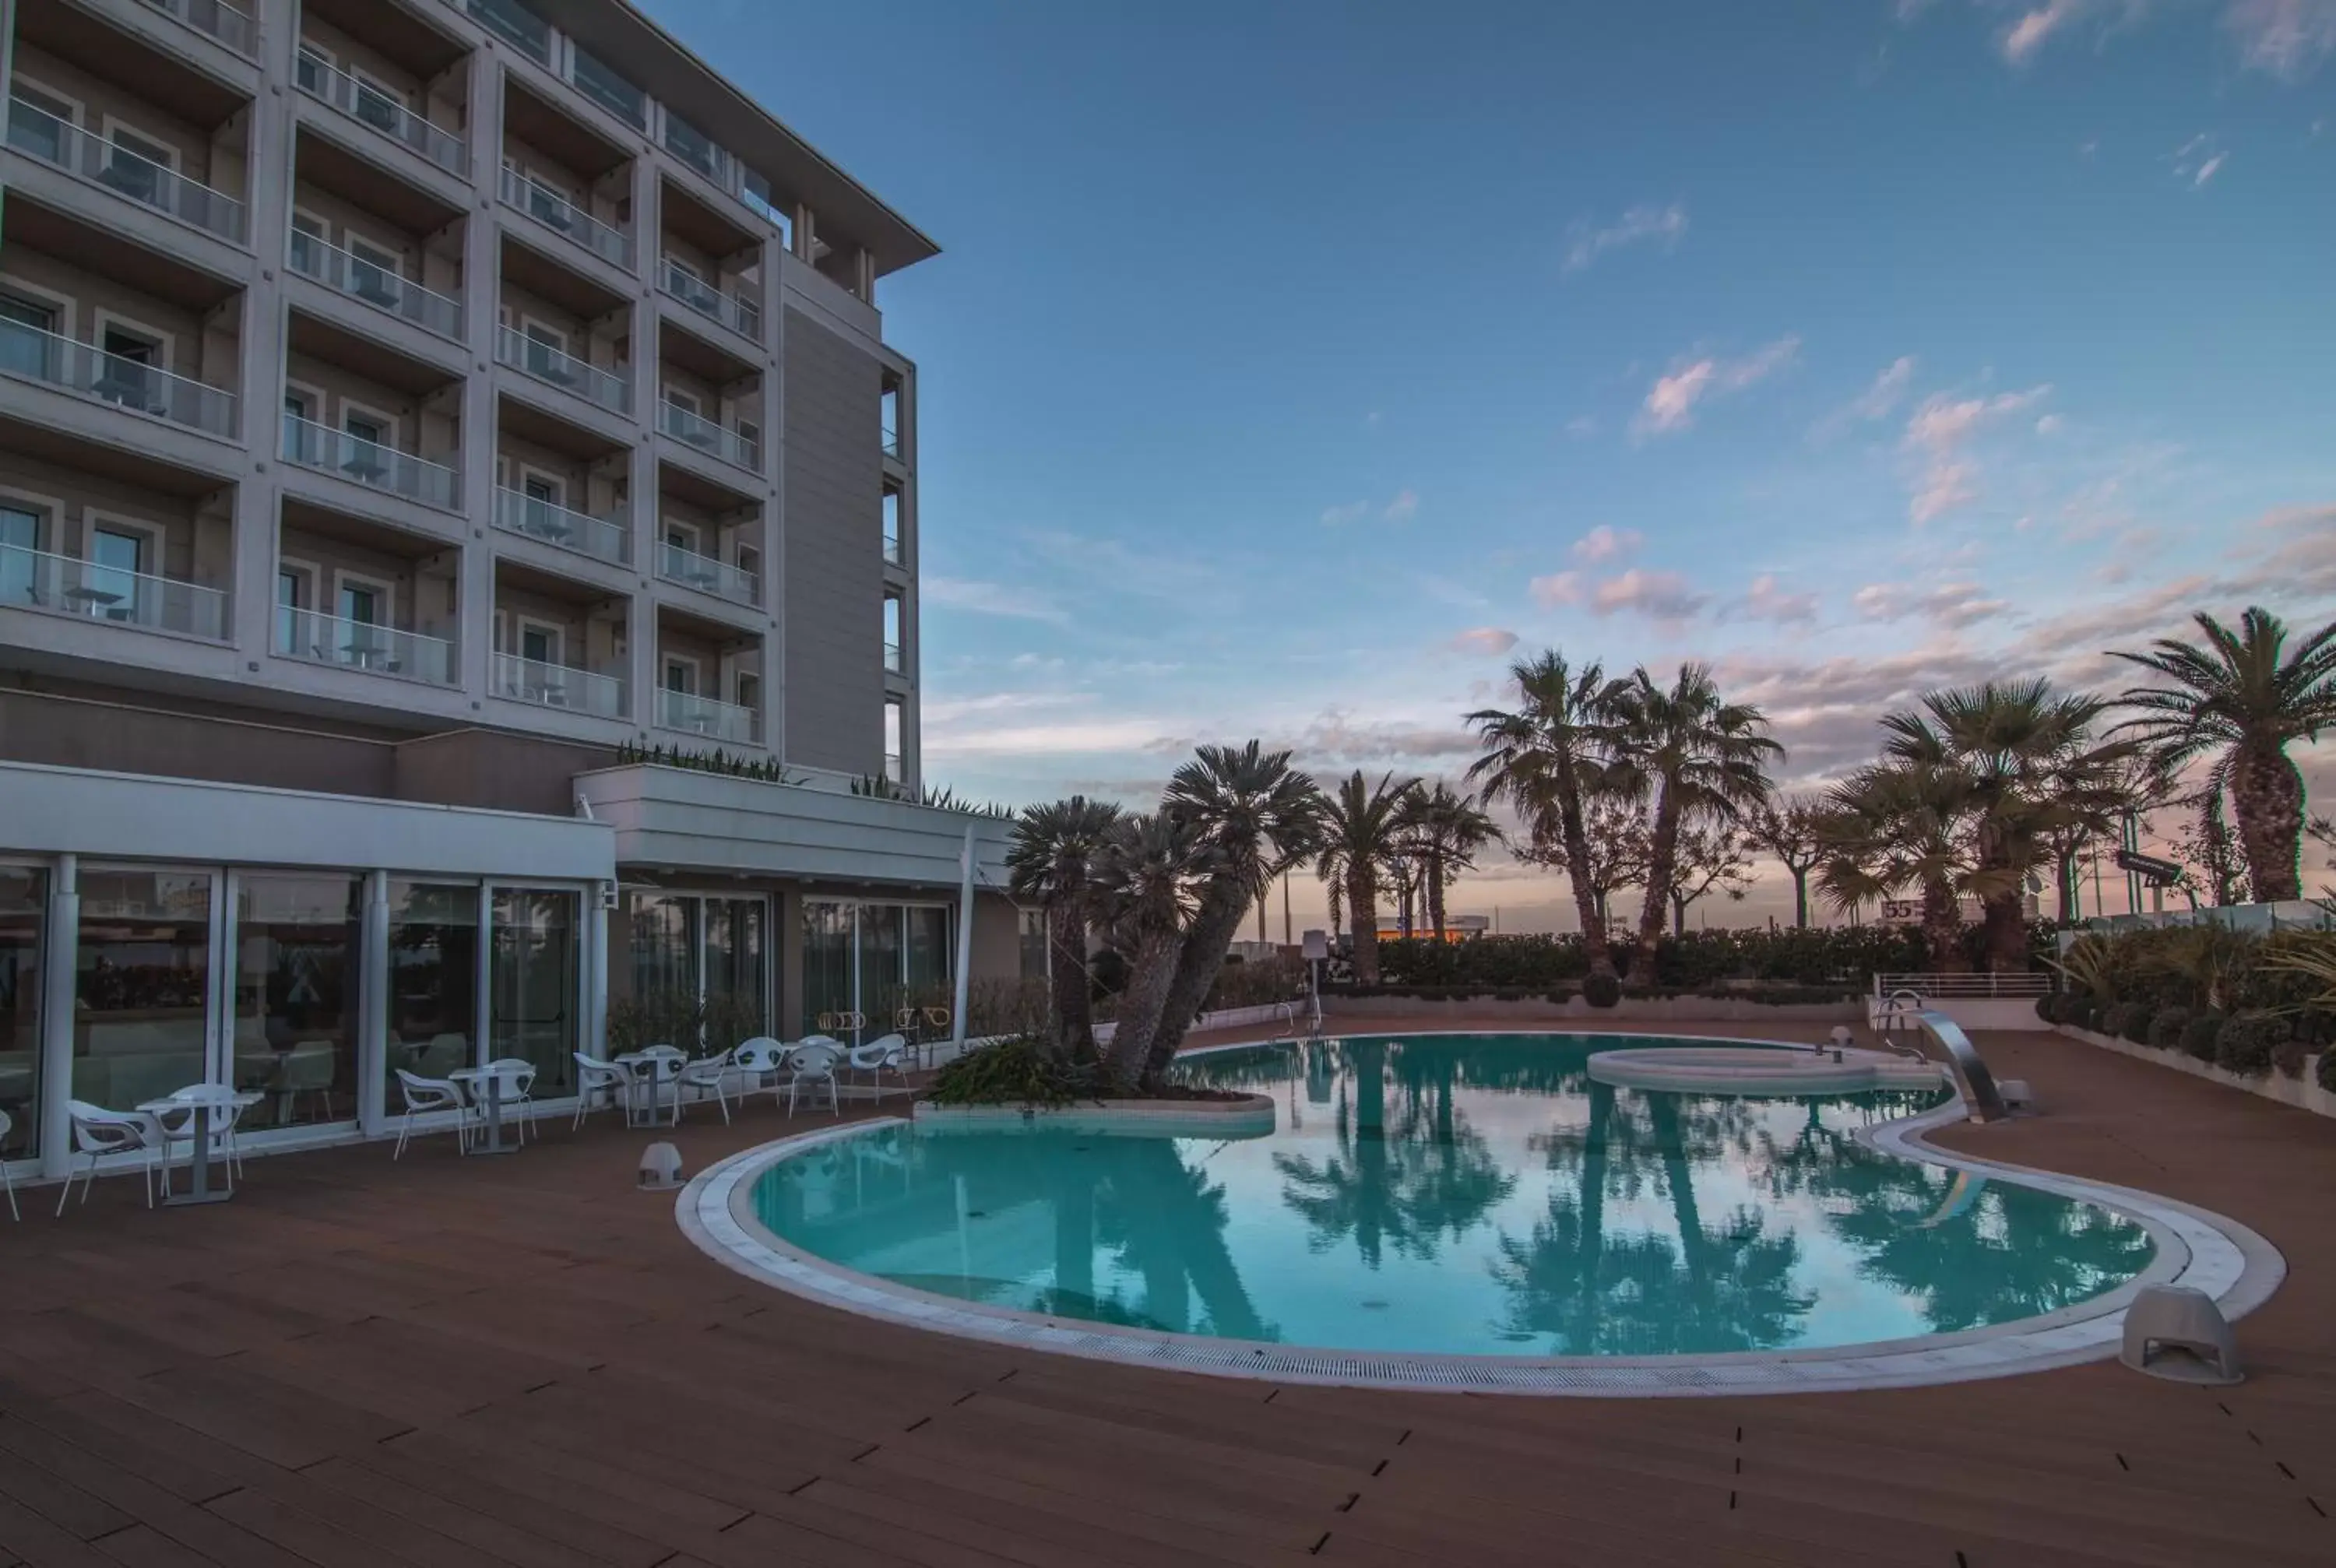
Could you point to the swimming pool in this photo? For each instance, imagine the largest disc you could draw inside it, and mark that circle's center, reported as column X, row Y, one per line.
column 1474, row 1196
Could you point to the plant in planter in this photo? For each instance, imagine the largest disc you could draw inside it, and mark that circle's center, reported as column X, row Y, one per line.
column 2126, row 1021
column 2166, row 1027
column 1024, row 1070
column 2202, row 1033
column 2288, row 1058
column 2248, row 1042
column 1602, row 990
column 2048, row 1006
column 2080, row 1013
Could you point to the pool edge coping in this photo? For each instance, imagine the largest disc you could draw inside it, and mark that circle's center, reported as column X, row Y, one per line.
column 2232, row 1263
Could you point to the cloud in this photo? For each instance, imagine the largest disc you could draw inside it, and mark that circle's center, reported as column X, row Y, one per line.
column 1657, row 595
column 1558, row 589
column 2028, row 34
column 1767, row 600
column 1404, row 507
column 2208, row 169
column 1587, row 241
column 2050, row 425
column 1670, row 402
column 1937, row 434
column 1951, row 606
column 1340, row 516
column 2285, row 38
column 991, row 598
column 1878, row 401
column 1582, row 427
column 1484, row 641
column 1606, row 542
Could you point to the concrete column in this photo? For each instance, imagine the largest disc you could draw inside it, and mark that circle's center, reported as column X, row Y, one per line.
column 787, row 1018
column 262, row 340
column 373, row 1006
column 482, row 288
column 60, row 962
column 775, row 514
column 596, row 917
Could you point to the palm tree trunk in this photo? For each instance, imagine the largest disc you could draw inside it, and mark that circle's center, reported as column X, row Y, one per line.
column 2267, row 799
column 1435, row 896
column 1363, row 916
column 1588, row 904
column 2067, row 868
column 1943, row 929
column 1067, row 957
column 1800, row 898
column 1678, row 916
column 1152, row 970
column 2005, row 921
column 1197, row 965
column 1662, row 868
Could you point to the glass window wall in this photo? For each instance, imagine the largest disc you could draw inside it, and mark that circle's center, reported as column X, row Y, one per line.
column 536, row 993
column 873, row 960
column 434, row 980
column 696, row 956
column 298, row 957
column 23, row 894
column 143, row 986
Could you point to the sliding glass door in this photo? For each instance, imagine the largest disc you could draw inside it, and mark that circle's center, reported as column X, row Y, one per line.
column 872, row 959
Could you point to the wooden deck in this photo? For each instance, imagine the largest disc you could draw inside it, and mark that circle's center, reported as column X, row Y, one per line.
column 522, row 1361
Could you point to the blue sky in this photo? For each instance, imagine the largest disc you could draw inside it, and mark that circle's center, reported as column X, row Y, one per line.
column 1287, row 369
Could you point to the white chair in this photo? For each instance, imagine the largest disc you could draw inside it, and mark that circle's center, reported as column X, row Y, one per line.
column 655, row 1066
column 308, row 1069
column 813, row 1063
column 514, row 1079
column 7, row 1181
column 425, row 1097
column 224, row 1105
column 703, row 1074
column 876, row 1058
column 97, row 1131
column 592, row 1076
column 760, row 1060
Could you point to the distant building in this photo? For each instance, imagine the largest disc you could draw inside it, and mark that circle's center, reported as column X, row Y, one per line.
column 1457, row 928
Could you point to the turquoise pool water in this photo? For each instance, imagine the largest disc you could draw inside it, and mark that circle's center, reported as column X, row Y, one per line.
column 1466, row 1194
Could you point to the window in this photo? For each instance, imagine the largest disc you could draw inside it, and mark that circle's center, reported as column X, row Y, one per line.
column 687, row 401
column 892, row 525
column 371, row 438
column 681, row 676
column 139, row 167
column 37, row 120
column 20, row 538
column 118, row 557
column 681, row 536
column 375, row 273
column 750, row 561
column 294, row 596
column 894, row 768
column 28, row 344
column 539, row 643
column 379, row 105
column 750, row 690
column 131, row 371
column 361, row 603
column 24, row 900
column 298, row 403
column 540, row 490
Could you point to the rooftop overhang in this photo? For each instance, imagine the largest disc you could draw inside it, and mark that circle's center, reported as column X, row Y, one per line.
column 703, row 822
column 670, row 72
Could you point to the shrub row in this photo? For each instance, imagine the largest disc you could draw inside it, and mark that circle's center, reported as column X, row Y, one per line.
column 1601, row 992
column 1814, row 957
column 2249, row 1043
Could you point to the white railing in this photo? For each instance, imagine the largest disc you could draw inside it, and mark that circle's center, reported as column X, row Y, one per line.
column 345, row 272
column 732, row 310
column 548, row 363
column 603, row 538
column 705, row 574
column 370, row 462
column 215, row 17
column 557, row 686
column 708, row 436
column 2021, row 984
column 377, row 109
column 320, row 638
column 32, row 354
column 705, row 716
column 36, row 131
column 553, row 210
column 37, row 580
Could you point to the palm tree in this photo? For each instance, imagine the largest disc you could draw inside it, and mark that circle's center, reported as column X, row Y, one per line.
column 1546, row 758
column 1695, row 756
column 1446, row 831
column 1362, row 825
column 1146, row 883
column 1251, row 816
column 1789, row 830
column 1048, row 863
column 1901, row 824
column 2242, row 694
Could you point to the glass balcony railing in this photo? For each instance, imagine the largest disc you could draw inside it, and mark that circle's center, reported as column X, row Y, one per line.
column 708, row 575
column 553, row 210
column 320, row 638
column 708, row 436
column 557, row 686
column 549, row 363
column 893, row 664
column 705, row 716
column 216, row 17
column 891, row 439
column 603, row 86
column 370, row 462
column 892, row 768
column 29, row 354
column 893, row 556
column 699, row 150
column 370, row 106
column 378, row 286
column 36, row 580
column 37, row 132
column 604, row 539
column 515, row 24
column 733, row 311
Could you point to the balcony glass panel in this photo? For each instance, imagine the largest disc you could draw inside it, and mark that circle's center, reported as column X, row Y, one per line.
column 513, row 23
column 604, row 539
column 553, row 210
column 377, row 285
column 707, row 574
column 360, row 644
column 706, row 716
column 611, row 92
column 36, row 580
column 216, row 17
column 36, row 131
column 892, row 657
column 557, row 686
column 893, row 556
column 370, row 462
column 732, row 310
column 708, row 436
column 372, row 107
column 32, row 354
column 546, row 362
column 699, row 150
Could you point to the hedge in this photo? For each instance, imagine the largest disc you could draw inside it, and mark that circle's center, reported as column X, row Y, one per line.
column 2126, row 1021
column 2201, row 1035
column 2167, row 1027
column 2248, row 1042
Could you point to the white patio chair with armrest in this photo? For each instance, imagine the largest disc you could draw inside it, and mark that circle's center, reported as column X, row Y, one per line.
column 425, row 1096
column 97, row 1131
column 702, row 1074
column 514, row 1087
column 875, row 1058
column 760, row 1060
column 225, row 1106
column 7, row 1181
column 813, row 1063
column 309, row 1068
column 592, row 1076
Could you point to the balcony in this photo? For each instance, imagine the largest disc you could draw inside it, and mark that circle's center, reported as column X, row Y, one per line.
column 214, row 18
column 69, row 365
column 554, row 211
column 344, row 273
column 611, row 92
column 558, row 685
column 893, row 556
column 708, row 436
column 534, row 357
column 707, row 717
column 891, row 443
column 62, row 585
column 514, row 23
column 700, row 151
column 733, row 311
column 369, row 462
column 306, row 634
column 708, row 575
column 41, row 134
column 379, row 111
column 603, row 539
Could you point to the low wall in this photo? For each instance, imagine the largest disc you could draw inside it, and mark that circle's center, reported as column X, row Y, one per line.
column 2304, row 1093
column 2001, row 1015
column 1249, row 1116
column 1630, row 1009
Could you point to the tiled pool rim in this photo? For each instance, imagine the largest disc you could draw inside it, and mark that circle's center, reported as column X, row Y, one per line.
column 2238, row 1268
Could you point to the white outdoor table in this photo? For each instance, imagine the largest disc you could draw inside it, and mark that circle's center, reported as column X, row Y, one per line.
column 654, row 1071
column 471, row 1078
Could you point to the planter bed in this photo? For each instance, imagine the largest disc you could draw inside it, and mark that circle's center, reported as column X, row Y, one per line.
column 2304, row 1093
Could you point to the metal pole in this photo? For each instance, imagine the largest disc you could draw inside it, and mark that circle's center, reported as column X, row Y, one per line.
column 964, row 941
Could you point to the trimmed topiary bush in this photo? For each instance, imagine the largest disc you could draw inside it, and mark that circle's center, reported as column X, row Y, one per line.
column 2082, row 1012
column 2126, row 1021
column 2166, row 1027
column 2328, row 1071
column 2288, row 1058
column 2048, row 1006
column 1602, row 990
column 2247, row 1043
column 2201, row 1035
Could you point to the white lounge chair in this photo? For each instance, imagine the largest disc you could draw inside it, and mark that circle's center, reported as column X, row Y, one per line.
column 425, row 1097
column 877, row 1057
column 97, row 1131
column 813, row 1064
column 703, row 1074
column 592, row 1076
